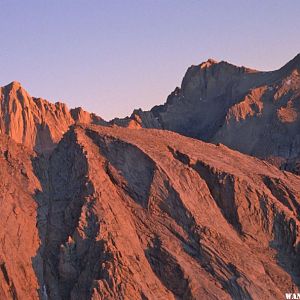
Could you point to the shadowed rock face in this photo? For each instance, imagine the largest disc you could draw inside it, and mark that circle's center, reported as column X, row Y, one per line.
column 257, row 113
column 145, row 214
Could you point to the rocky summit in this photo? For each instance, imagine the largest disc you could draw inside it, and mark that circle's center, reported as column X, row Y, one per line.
column 257, row 113
column 35, row 122
column 165, row 204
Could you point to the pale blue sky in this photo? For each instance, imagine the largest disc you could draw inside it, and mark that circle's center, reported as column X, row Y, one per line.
column 113, row 56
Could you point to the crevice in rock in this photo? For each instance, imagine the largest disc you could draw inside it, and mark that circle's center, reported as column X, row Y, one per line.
column 285, row 242
column 282, row 194
column 220, row 184
column 67, row 224
column 129, row 167
column 9, row 282
column 168, row 270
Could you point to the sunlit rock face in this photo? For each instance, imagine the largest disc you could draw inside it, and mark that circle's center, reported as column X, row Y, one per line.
column 257, row 113
column 113, row 210
column 35, row 122
column 118, row 213
column 19, row 235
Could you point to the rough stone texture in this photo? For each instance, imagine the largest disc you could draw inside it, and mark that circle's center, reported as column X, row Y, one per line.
column 81, row 116
column 19, row 239
column 150, row 214
column 145, row 214
column 100, row 212
column 257, row 113
column 254, row 112
column 35, row 122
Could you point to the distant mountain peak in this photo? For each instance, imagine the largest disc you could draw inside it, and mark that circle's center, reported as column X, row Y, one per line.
column 223, row 103
column 296, row 59
column 208, row 63
column 14, row 85
column 292, row 64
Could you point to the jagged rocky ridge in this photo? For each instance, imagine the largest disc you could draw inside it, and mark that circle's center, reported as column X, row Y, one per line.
column 95, row 211
column 145, row 214
column 257, row 113
column 35, row 122
column 254, row 112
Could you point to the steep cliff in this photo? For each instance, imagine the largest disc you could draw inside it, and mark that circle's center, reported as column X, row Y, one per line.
column 19, row 238
column 149, row 214
column 254, row 112
column 35, row 122
column 134, row 213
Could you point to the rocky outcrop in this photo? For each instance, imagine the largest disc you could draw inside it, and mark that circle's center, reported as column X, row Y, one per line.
column 81, row 116
column 19, row 237
column 254, row 112
column 149, row 214
column 35, row 122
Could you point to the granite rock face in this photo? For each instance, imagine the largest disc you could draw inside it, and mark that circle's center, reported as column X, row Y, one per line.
column 94, row 211
column 257, row 113
column 19, row 237
column 35, row 122
column 147, row 214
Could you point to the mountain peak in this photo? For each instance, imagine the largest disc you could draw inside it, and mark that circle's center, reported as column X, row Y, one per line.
column 297, row 58
column 34, row 122
column 208, row 63
column 14, row 85
column 292, row 64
